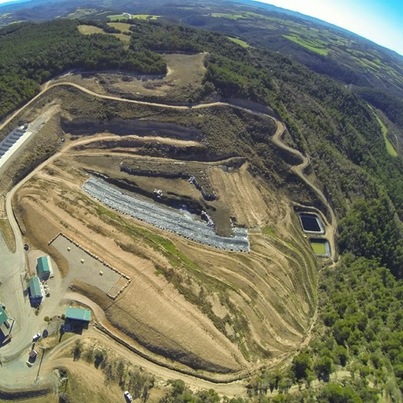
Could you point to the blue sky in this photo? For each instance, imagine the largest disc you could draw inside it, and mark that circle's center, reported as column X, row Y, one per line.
column 381, row 21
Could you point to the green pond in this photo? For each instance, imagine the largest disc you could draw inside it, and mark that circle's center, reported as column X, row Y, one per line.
column 320, row 247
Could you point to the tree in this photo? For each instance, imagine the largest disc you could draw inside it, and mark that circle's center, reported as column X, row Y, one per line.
column 341, row 331
column 301, row 365
column 323, row 368
column 341, row 355
column 77, row 349
column 333, row 393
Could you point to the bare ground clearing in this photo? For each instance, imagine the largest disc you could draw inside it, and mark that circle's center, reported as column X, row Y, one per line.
column 90, row 29
column 246, row 294
column 185, row 74
column 149, row 297
column 85, row 267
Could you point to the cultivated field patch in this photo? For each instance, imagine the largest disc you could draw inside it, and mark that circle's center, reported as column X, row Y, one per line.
column 121, row 26
column 311, row 44
column 90, row 29
column 145, row 16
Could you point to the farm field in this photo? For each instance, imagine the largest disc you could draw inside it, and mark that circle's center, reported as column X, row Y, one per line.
column 389, row 146
column 309, row 44
column 90, row 30
column 145, row 16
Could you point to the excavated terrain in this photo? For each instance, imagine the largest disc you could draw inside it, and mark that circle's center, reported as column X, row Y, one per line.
column 202, row 307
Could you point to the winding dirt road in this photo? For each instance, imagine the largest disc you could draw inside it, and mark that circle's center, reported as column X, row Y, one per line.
column 276, row 139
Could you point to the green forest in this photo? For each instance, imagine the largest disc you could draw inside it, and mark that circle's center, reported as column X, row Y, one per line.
column 31, row 54
column 356, row 354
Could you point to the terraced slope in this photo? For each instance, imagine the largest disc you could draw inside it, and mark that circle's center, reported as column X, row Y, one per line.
column 207, row 309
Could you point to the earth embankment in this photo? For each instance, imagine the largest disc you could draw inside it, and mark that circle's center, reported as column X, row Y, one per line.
column 124, row 127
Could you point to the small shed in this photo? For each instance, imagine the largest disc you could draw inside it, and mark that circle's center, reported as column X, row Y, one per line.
column 44, row 267
column 79, row 314
column 35, row 290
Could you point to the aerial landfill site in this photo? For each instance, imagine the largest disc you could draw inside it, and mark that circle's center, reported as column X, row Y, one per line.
column 181, row 223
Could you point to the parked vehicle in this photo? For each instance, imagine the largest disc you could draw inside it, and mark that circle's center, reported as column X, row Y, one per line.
column 128, row 396
column 36, row 337
column 33, row 354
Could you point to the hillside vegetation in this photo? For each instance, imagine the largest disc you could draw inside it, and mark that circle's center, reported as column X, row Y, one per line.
column 30, row 54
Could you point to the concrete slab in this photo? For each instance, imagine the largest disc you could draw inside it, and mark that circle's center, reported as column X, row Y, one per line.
column 85, row 267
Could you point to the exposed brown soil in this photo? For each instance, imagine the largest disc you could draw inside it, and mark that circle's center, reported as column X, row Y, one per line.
column 205, row 308
column 241, row 281
column 184, row 77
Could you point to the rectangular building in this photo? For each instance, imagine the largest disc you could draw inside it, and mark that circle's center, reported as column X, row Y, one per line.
column 5, row 324
column 44, row 267
column 35, row 290
column 80, row 314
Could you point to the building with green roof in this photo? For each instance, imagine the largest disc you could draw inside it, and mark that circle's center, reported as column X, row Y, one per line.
column 5, row 323
column 3, row 315
column 44, row 267
column 80, row 314
column 35, row 290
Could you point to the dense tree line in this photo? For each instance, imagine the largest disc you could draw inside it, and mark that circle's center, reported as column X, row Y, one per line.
column 358, row 335
column 390, row 104
column 371, row 229
column 32, row 53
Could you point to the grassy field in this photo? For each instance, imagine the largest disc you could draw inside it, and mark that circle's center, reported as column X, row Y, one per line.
column 117, row 17
column 240, row 42
column 309, row 44
column 89, row 30
column 389, row 147
column 121, row 26
column 229, row 16
column 145, row 16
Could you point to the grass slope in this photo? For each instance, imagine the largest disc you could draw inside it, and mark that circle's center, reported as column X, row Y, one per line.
column 238, row 41
column 389, row 147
